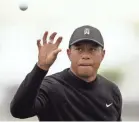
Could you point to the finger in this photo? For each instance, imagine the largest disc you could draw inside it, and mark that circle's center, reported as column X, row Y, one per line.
column 51, row 38
column 58, row 41
column 55, row 52
column 39, row 44
column 45, row 37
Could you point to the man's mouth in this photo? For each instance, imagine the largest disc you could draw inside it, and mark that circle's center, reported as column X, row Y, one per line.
column 85, row 65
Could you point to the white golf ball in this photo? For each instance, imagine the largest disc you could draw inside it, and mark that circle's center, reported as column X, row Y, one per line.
column 23, row 7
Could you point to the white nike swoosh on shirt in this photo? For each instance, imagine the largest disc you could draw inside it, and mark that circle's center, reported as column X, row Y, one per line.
column 108, row 105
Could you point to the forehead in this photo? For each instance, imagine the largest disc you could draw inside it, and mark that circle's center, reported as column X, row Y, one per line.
column 86, row 43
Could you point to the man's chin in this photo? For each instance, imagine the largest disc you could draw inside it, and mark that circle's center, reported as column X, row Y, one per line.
column 85, row 74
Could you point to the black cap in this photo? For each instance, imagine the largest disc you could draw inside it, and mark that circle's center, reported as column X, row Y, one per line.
column 86, row 33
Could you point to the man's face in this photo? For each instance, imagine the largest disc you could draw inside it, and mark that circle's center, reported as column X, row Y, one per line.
column 85, row 58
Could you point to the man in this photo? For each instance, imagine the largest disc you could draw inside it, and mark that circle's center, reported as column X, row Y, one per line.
column 76, row 93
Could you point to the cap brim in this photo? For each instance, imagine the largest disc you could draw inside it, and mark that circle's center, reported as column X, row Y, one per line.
column 87, row 39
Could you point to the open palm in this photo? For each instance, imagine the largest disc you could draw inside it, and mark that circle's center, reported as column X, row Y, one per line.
column 48, row 51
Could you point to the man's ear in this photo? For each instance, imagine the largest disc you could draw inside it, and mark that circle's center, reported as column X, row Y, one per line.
column 103, row 54
column 69, row 53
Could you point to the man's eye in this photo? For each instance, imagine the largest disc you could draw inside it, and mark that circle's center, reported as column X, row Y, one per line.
column 93, row 49
column 78, row 48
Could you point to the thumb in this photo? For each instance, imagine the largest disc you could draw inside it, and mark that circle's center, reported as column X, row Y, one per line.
column 55, row 52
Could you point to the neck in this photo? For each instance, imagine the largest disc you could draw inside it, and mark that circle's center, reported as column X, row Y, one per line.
column 87, row 79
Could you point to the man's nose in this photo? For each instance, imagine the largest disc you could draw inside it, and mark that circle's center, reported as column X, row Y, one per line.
column 85, row 56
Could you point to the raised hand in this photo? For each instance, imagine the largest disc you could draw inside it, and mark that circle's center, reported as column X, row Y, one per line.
column 48, row 51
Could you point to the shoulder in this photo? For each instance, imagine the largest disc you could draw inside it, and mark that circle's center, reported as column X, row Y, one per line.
column 114, row 89
column 53, row 80
column 56, row 76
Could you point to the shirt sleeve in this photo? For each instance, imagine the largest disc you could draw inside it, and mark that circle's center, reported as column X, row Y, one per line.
column 30, row 98
column 118, row 99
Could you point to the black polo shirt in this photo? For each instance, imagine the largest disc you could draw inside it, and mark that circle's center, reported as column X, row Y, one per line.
column 65, row 97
